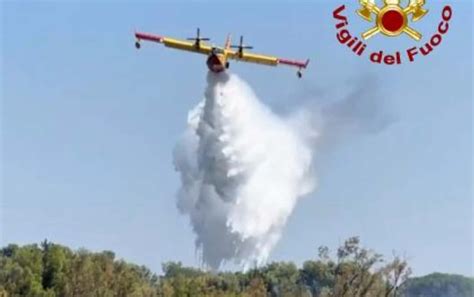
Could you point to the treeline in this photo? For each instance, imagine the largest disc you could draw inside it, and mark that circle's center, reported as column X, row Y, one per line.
column 439, row 285
column 49, row 270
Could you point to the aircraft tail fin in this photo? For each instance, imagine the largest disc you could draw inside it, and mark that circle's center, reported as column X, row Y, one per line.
column 228, row 42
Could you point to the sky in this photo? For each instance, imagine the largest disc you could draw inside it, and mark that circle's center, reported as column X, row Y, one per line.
column 88, row 126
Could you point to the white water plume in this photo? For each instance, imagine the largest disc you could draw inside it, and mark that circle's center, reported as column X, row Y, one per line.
column 243, row 169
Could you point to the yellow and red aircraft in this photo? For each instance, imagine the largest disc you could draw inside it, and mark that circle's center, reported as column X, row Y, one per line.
column 218, row 57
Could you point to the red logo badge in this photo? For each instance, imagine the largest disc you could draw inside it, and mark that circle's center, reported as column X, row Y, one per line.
column 392, row 20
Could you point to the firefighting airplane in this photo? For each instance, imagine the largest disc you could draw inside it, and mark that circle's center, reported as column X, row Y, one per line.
column 218, row 57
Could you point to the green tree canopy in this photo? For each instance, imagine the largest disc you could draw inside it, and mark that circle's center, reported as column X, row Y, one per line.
column 52, row 270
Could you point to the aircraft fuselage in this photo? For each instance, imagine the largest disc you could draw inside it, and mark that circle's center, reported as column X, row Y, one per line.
column 217, row 62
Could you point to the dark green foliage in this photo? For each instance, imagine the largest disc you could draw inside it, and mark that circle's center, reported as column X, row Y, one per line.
column 51, row 270
column 439, row 285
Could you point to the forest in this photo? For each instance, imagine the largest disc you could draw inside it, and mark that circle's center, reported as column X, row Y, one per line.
column 49, row 270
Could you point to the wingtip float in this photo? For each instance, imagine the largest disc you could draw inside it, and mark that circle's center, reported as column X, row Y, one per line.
column 218, row 57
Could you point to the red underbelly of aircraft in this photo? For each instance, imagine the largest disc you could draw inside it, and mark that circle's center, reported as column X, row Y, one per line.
column 215, row 64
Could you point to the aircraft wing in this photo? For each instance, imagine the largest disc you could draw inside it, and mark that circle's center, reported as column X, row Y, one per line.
column 264, row 59
column 189, row 46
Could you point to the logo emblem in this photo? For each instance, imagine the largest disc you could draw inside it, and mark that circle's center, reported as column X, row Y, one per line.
column 392, row 18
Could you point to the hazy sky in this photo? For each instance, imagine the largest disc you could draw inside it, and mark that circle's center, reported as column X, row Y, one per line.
column 89, row 125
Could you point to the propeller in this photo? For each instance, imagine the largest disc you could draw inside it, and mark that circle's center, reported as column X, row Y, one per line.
column 198, row 37
column 241, row 46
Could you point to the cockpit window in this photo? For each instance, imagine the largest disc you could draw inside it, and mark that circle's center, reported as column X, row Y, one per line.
column 217, row 50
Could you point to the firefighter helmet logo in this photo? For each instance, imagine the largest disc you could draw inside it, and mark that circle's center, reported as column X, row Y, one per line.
column 392, row 18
